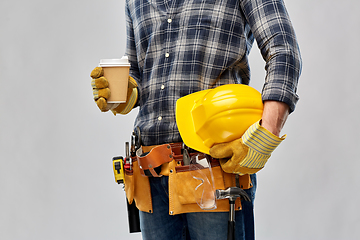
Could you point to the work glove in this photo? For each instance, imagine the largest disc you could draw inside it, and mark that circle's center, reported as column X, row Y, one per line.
column 249, row 153
column 101, row 93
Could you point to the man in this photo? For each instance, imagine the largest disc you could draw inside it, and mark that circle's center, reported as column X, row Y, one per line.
column 179, row 47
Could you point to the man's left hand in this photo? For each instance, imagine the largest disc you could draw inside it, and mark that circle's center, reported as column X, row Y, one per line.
column 248, row 154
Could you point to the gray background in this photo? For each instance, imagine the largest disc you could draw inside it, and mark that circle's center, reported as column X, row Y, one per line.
column 56, row 178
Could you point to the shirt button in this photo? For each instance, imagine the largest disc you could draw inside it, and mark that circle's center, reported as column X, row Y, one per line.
column 159, row 118
column 162, row 86
column 167, row 55
column 169, row 20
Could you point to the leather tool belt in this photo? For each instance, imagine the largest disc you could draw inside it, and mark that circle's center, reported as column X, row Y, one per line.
column 152, row 159
column 168, row 160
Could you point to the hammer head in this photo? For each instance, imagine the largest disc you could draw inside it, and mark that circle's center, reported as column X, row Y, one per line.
column 232, row 193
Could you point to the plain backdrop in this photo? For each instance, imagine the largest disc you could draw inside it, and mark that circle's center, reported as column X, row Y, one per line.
column 56, row 147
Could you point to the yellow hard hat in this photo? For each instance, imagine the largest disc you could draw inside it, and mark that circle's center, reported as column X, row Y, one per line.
column 217, row 115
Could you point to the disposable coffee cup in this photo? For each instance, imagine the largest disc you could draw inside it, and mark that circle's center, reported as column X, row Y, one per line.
column 116, row 71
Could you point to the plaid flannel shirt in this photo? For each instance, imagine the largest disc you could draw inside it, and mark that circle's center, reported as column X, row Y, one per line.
column 177, row 47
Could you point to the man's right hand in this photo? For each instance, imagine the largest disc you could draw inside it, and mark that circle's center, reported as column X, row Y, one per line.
column 101, row 93
column 100, row 87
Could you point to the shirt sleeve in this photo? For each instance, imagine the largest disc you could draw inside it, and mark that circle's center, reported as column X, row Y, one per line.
column 131, row 46
column 275, row 36
column 131, row 51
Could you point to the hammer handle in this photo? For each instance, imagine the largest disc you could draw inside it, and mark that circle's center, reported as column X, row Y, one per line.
column 231, row 230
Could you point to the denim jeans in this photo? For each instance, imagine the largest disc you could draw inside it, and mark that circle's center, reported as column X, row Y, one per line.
column 159, row 225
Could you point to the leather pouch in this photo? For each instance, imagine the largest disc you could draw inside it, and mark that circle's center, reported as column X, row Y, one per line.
column 182, row 196
column 129, row 185
column 186, row 183
column 137, row 188
column 150, row 163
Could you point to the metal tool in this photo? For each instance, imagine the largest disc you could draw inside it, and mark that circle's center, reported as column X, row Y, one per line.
column 186, row 156
column 133, row 147
column 232, row 193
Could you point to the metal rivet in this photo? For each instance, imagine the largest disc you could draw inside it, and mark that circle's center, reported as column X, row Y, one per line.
column 170, row 156
column 168, row 146
column 171, row 170
column 150, row 166
column 171, row 212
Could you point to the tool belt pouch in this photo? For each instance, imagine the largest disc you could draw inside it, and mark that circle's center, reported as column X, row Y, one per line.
column 182, row 189
column 150, row 163
column 186, row 183
column 137, row 188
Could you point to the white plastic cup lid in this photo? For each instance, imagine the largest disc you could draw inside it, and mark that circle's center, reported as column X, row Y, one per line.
column 114, row 62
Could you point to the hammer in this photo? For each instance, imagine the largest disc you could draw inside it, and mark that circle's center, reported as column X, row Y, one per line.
column 232, row 193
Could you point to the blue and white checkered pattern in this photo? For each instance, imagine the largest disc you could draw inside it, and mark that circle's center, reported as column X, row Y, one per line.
column 177, row 47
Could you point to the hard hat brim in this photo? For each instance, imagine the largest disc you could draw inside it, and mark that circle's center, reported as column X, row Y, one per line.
column 185, row 122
